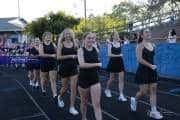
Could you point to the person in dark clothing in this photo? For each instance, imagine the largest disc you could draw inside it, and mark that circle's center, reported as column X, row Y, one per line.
column 115, row 65
column 146, row 75
column 88, row 82
column 48, row 66
column 67, row 54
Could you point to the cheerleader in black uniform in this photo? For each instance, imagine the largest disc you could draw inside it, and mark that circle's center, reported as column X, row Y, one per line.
column 115, row 65
column 48, row 66
column 146, row 76
column 29, row 65
column 67, row 54
column 88, row 77
column 36, row 63
column 17, row 51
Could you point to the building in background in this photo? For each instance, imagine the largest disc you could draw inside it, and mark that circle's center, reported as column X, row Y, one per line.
column 11, row 31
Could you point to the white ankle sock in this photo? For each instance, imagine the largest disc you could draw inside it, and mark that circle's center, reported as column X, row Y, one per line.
column 153, row 108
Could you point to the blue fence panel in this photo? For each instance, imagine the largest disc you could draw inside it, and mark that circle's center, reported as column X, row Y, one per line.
column 103, row 55
column 129, row 57
column 167, row 58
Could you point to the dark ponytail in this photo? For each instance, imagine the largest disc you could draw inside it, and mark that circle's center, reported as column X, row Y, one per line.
column 84, row 37
column 140, row 38
column 173, row 32
column 111, row 37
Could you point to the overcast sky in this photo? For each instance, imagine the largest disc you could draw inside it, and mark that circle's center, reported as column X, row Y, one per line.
column 31, row 9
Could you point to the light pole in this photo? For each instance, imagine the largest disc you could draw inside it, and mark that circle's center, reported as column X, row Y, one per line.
column 85, row 13
column 18, row 9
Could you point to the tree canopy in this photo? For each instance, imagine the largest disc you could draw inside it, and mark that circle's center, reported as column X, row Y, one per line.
column 122, row 14
column 53, row 22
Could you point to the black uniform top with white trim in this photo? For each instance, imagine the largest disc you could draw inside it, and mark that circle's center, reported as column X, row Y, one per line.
column 90, row 57
column 116, row 50
column 71, row 62
column 49, row 49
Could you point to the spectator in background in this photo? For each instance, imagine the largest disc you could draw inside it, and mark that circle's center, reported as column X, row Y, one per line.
column 135, row 38
column 17, row 53
column 172, row 36
column 126, row 40
column 78, row 42
column 130, row 26
column 1, row 51
column 121, row 39
column 108, row 39
column 96, row 43
column 1, row 41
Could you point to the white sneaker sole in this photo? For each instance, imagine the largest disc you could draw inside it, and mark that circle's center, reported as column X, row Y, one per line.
column 108, row 96
column 152, row 116
column 132, row 106
column 73, row 113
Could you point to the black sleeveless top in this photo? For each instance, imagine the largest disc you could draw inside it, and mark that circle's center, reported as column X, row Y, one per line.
column 144, row 74
column 29, row 50
column 49, row 49
column 114, row 50
column 72, row 63
column 34, row 51
column 21, row 51
column 91, row 57
column 148, row 55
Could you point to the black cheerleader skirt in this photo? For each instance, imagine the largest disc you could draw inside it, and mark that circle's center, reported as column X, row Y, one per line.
column 145, row 75
column 115, row 65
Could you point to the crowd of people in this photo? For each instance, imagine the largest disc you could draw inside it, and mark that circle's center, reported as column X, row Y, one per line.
column 78, row 64
column 15, row 50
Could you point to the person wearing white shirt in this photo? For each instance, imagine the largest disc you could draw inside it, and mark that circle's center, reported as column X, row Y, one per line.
column 172, row 36
column 126, row 41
